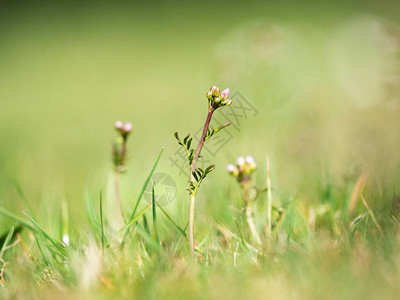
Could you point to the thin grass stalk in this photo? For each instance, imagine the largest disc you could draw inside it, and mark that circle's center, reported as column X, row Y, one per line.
column 269, row 209
column 153, row 204
column 102, row 223
column 132, row 217
column 117, row 199
column 371, row 213
column 249, row 215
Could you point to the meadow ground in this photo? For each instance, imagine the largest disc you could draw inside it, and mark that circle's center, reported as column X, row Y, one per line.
column 315, row 86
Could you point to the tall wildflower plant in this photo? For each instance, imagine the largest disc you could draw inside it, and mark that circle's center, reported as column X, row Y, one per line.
column 216, row 99
column 243, row 172
column 119, row 154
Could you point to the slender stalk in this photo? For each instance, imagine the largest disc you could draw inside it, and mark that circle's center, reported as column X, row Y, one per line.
column 269, row 212
column 117, row 199
column 249, row 215
column 65, row 223
column 101, row 223
column 118, row 172
column 251, row 224
column 201, row 142
column 123, row 155
column 153, row 204
column 132, row 217
column 191, row 223
column 371, row 213
column 192, row 169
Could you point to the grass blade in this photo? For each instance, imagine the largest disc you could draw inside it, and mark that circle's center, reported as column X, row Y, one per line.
column 22, row 195
column 3, row 238
column 15, row 218
column 64, row 223
column 146, row 224
column 7, row 241
column 130, row 223
column 45, row 252
column 57, row 244
column 92, row 214
column 148, row 239
column 141, row 194
column 371, row 213
column 205, row 253
column 153, row 204
column 101, row 222
column 172, row 220
column 269, row 210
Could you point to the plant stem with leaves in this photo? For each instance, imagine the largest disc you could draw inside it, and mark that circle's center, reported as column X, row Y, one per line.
column 248, row 212
column 242, row 172
column 192, row 178
column 119, row 158
column 216, row 99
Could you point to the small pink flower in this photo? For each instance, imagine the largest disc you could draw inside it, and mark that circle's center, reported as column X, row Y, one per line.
column 216, row 91
column 249, row 159
column 119, row 125
column 240, row 161
column 225, row 94
column 127, row 127
column 230, row 168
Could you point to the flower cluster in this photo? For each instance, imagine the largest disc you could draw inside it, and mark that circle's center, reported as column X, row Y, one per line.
column 218, row 98
column 124, row 129
column 119, row 148
column 244, row 168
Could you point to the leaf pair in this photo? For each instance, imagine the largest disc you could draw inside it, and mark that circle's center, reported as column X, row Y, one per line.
column 186, row 143
column 199, row 174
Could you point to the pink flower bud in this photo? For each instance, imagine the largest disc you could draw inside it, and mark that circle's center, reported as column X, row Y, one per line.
column 127, row 127
column 216, row 92
column 249, row 159
column 118, row 125
column 225, row 94
column 230, row 168
column 217, row 100
column 226, row 102
column 209, row 95
column 240, row 161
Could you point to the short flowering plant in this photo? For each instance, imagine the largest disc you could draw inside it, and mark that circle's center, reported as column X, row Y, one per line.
column 216, row 99
column 242, row 172
column 119, row 155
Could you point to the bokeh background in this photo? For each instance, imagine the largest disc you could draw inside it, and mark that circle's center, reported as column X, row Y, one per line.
column 323, row 77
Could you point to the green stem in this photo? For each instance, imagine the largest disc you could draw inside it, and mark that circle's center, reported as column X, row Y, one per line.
column 249, row 215
column 118, row 173
column 153, row 204
column 117, row 200
column 269, row 212
column 192, row 169
column 251, row 224
column 191, row 223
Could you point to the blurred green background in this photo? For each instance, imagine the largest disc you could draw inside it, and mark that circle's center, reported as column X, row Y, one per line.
column 323, row 77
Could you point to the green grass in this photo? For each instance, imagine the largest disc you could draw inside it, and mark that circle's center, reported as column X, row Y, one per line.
column 309, row 256
column 323, row 79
